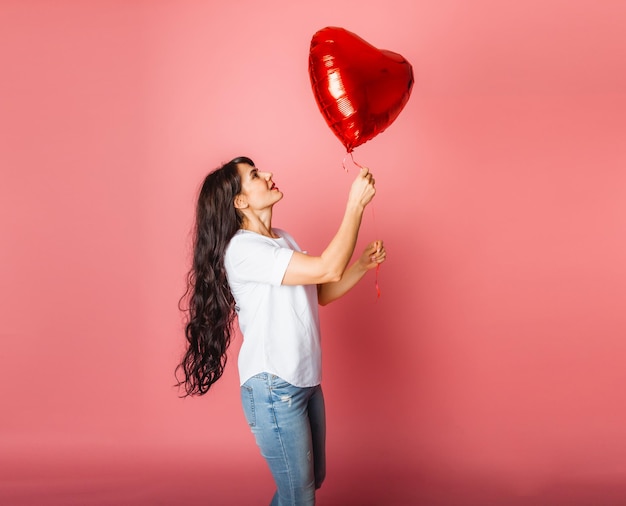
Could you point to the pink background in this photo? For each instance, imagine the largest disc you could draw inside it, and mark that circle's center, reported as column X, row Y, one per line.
column 490, row 371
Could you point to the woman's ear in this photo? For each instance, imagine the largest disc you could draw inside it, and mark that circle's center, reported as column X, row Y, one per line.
column 240, row 202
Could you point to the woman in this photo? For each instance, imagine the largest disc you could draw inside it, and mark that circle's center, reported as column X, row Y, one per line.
column 243, row 266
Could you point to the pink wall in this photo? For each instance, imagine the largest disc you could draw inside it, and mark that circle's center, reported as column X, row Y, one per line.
column 490, row 371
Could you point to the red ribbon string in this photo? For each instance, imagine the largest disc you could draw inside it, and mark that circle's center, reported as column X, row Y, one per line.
column 353, row 161
column 373, row 216
column 377, row 266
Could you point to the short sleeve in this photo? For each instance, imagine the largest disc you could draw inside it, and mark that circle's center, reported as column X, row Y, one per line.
column 254, row 258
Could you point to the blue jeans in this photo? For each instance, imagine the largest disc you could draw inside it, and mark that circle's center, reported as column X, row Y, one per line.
column 289, row 425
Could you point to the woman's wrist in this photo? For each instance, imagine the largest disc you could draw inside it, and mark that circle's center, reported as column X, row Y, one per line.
column 356, row 207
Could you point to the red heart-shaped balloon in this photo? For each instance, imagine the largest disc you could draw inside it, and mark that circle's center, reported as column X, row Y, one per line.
column 359, row 89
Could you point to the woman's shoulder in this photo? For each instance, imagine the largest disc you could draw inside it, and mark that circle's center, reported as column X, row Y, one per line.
column 247, row 237
column 250, row 250
column 280, row 232
column 287, row 237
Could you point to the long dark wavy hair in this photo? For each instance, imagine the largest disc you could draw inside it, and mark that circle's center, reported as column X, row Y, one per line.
column 208, row 303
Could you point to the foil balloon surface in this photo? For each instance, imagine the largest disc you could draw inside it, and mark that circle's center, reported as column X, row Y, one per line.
column 359, row 89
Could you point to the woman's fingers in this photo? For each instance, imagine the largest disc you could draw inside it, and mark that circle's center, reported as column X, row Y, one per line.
column 377, row 252
column 363, row 189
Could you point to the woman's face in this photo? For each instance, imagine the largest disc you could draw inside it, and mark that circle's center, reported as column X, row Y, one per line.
column 257, row 188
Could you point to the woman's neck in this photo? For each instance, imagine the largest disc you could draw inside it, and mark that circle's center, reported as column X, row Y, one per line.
column 259, row 225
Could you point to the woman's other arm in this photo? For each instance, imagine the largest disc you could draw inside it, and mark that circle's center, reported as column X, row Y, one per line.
column 373, row 255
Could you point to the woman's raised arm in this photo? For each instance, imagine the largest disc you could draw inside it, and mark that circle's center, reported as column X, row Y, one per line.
column 330, row 265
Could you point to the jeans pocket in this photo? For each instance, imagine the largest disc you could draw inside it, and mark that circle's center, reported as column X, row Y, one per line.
column 247, row 401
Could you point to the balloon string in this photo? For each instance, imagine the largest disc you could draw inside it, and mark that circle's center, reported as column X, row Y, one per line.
column 373, row 216
column 344, row 163
column 377, row 266
column 353, row 161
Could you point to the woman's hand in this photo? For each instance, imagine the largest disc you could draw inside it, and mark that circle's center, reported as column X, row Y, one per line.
column 362, row 190
column 373, row 255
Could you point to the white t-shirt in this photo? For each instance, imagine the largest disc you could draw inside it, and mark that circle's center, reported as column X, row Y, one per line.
column 279, row 323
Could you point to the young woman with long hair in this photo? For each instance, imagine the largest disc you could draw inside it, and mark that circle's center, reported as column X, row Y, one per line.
column 248, row 272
